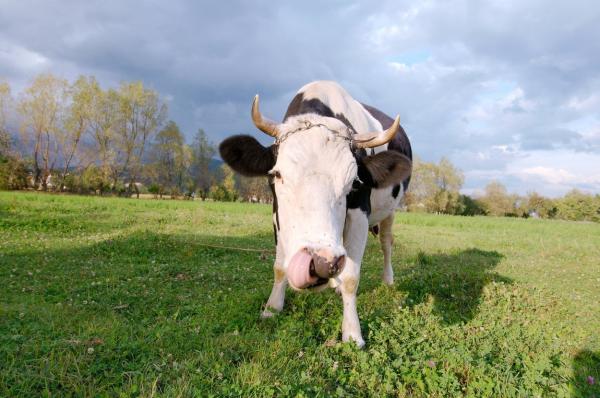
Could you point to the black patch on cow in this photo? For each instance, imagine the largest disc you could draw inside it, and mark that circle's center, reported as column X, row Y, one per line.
column 294, row 108
column 359, row 197
column 363, row 173
column 275, row 206
column 399, row 143
column 300, row 106
column 275, row 209
column 244, row 154
column 396, row 191
column 375, row 229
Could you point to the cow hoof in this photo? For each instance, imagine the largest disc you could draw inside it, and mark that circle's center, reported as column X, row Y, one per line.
column 267, row 314
column 358, row 340
column 389, row 281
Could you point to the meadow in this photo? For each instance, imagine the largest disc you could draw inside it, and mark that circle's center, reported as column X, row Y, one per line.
column 125, row 297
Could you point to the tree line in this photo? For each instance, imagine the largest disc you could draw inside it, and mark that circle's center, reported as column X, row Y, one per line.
column 80, row 137
column 435, row 188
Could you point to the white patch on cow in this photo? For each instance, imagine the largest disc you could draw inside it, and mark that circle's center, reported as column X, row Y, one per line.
column 355, row 240
column 277, row 297
column 316, row 170
column 383, row 204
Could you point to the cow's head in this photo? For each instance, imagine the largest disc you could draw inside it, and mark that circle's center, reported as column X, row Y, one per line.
column 313, row 166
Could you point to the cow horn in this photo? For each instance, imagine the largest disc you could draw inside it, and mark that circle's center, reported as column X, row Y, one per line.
column 371, row 140
column 263, row 124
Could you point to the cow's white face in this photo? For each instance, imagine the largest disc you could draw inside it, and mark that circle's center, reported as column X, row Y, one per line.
column 313, row 174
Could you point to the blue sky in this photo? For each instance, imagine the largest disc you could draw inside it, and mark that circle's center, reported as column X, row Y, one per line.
column 507, row 90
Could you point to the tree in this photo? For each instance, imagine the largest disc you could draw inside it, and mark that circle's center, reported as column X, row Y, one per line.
column 5, row 101
column 229, row 180
column 202, row 152
column 255, row 189
column 434, row 187
column 104, row 121
column 540, row 206
column 79, row 117
column 168, row 155
column 497, row 201
column 140, row 112
column 42, row 110
column 225, row 191
column 13, row 173
column 578, row 206
column 183, row 177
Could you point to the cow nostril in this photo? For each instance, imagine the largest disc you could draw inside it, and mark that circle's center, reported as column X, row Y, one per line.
column 337, row 265
column 326, row 266
column 311, row 268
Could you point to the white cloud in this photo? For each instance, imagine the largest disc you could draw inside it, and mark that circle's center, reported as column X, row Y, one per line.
column 548, row 174
column 15, row 57
column 583, row 104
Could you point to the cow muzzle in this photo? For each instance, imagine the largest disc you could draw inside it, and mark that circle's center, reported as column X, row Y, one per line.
column 310, row 268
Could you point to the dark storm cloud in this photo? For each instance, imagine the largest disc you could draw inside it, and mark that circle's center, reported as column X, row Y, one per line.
column 466, row 77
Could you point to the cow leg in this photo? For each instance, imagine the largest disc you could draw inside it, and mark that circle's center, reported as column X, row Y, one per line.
column 386, row 238
column 277, row 297
column 355, row 239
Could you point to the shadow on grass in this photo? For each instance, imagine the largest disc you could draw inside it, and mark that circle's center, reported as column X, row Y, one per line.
column 140, row 296
column 146, row 294
column 586, row 374
column 147, row 272
column 211, row 263
column 455, row 281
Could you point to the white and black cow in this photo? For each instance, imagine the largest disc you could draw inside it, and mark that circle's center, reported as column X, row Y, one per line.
column 337, row 168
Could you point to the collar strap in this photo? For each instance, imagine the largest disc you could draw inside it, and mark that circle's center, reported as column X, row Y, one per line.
column 307, row 125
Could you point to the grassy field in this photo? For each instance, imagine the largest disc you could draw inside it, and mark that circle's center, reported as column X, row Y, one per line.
column 125, row 297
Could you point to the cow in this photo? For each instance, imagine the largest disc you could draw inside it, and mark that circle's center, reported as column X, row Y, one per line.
column 337, row 168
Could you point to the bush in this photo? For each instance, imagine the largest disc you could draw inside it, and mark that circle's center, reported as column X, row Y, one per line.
column 154, row 189
column 13, row 173
column 578, row 206
column 90, row 180
column 222, row 194
column 469, row 206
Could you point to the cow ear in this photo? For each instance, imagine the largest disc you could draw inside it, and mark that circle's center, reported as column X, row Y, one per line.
column 384, row 169
column 244, row 154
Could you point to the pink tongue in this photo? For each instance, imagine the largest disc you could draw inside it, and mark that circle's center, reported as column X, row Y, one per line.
column 298, row 271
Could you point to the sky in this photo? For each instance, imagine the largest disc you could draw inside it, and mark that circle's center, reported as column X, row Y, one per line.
column 507, row 90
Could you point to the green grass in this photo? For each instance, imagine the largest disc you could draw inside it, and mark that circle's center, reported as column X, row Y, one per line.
column 122, row 297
